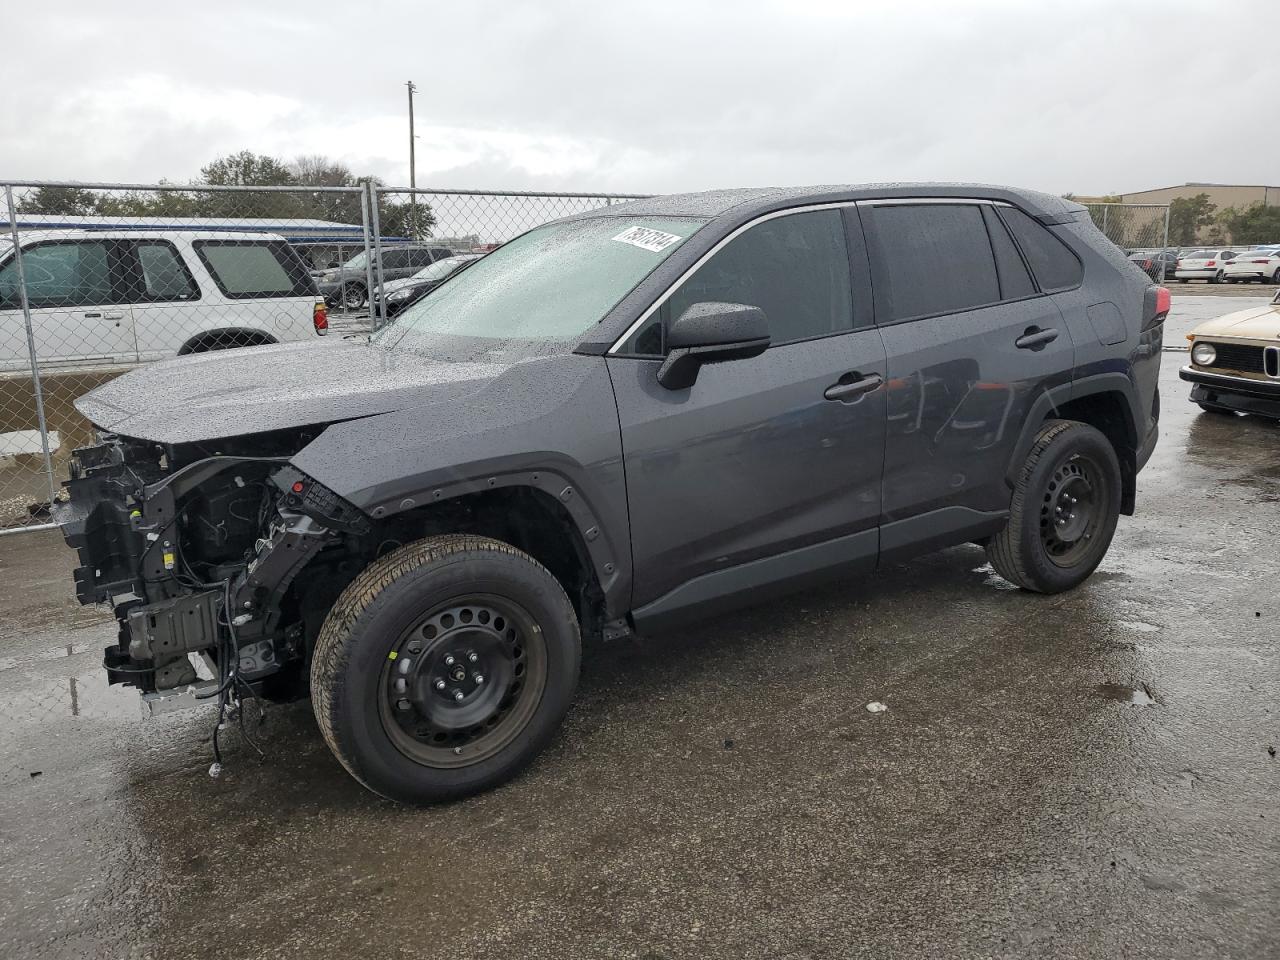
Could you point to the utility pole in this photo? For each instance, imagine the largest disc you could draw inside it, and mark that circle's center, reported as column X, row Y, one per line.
column 413, row 170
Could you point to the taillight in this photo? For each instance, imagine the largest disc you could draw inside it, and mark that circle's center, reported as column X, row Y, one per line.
column 1259, row 261
column 320, row 318
column 1155, row 306
column 1163, row 301
column 1210, row 263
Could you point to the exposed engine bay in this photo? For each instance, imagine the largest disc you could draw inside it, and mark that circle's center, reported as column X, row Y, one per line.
column 197, row 548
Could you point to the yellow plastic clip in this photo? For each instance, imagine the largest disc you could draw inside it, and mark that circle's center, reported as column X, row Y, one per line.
column 392, row 655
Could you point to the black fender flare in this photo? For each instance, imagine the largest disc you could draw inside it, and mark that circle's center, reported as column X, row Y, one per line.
column 1051, row 400
column 611, row 562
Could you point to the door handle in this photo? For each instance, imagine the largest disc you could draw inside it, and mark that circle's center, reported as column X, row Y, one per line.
column 113, row 316
column 1034, row 338
column 848, row 391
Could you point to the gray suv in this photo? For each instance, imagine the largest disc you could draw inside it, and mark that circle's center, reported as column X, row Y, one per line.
column 347, row 285
column 614, row 423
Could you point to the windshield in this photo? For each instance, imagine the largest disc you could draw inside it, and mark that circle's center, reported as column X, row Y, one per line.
column 440, row 269
column 538, row 291
column 1200, row 255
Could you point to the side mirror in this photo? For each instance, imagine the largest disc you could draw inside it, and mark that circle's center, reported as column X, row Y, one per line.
column 711, row 332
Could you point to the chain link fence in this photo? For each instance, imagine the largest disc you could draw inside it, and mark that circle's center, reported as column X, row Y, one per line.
column 1140, row 230
column 96, row 279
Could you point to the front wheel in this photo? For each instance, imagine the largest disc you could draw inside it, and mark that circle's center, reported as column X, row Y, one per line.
column 1064, row 510
column 1275, row 278
column 445, row 668
column 353, row 296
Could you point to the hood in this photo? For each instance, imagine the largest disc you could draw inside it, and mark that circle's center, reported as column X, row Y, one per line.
column 228, row 393
column 391, row 286
column 1254, row 323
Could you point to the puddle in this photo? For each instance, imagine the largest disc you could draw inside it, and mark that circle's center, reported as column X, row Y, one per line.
column 1140, row 626
column 1140, row 696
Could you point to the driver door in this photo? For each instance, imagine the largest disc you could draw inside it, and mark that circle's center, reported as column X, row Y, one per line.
column 752, row 479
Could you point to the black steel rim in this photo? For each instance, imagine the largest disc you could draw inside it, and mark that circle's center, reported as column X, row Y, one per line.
column 352, row 298
column 1074, row 507
column 463, row 681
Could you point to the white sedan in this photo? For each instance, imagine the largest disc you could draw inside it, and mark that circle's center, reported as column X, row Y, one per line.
column 1260, row 265
column 1202, row 265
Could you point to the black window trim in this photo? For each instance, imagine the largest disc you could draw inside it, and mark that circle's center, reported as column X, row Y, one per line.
column 114, row 271
column 137, row 291
column 615, row 350
column 199, row 247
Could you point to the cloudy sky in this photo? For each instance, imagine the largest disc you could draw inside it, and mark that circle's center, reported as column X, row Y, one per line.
column 656, row 96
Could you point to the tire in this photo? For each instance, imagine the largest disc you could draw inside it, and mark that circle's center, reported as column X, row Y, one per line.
column 1217, row 277
column 1041, row 548
column 439, row 611
column 1275, row 278
column 1182, row 280
column 353, row 297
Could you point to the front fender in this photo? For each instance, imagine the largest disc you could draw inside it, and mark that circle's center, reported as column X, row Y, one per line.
column 549, row 424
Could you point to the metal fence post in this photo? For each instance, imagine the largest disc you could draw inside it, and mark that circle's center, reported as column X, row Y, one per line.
column 1105, row 211
column 1164, row 262
column 377, row 322
column 366, row 225
column 37, row 391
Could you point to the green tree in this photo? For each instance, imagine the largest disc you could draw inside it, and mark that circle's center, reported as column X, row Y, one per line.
column 247, row 169
column 1256, row 223
column 1187, row 216
column 60, row 201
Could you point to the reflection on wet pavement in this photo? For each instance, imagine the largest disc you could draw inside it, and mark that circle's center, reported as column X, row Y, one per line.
column 1020, row 797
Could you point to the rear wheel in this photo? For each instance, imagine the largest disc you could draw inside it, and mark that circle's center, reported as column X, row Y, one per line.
column 1217, row 277
column 444, row 668
column 1064, row 510
column 1275, row 277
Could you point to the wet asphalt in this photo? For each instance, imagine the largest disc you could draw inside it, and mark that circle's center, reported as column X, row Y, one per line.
column 1087, row 775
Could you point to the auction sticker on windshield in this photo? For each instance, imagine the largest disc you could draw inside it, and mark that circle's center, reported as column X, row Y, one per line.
column 646, row 238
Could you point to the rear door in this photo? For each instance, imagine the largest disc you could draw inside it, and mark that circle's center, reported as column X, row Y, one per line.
column 167, row 303
column 262, row 285
column 79, row 307
column 752, row 476
column 970, row 348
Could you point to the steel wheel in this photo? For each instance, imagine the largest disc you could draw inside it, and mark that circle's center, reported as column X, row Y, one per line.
column 1073, row 507
column 462, row 682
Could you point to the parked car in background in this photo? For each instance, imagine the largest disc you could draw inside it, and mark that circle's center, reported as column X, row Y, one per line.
column 1159, row 265
column 1235, row 362
column 402, row 293
column 621, row 421
column 1260, row 265
column 347, row 285
column 1205, row 265
column 107, row 297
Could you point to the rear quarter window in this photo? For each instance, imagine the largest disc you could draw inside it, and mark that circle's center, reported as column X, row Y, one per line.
column 1054, row 264
column 255, row 269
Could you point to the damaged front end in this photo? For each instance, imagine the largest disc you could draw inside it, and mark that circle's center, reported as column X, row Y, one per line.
column 198, row 551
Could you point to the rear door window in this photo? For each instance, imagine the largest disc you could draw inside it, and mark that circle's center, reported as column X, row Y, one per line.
column 248, row 269
column 1054, row 265
column 929, row 259
column 420, row 258
column 159, row 274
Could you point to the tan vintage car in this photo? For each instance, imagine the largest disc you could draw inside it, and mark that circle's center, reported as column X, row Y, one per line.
column 1235, row 362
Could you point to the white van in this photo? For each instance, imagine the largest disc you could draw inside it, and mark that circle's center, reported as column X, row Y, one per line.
column 124, row 296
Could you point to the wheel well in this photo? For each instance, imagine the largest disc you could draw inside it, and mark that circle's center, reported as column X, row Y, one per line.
column 526, row 518
column 225, row 339
column 1109, row 413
